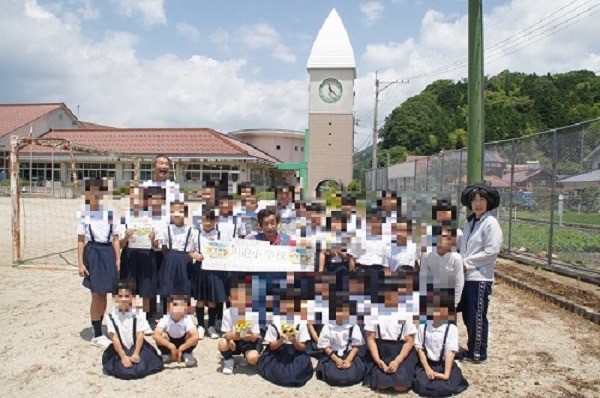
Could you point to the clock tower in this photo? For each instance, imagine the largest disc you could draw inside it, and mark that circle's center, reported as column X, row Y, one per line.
column 332, row 70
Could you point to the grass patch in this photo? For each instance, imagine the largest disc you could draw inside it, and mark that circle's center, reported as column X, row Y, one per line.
column 535, row 239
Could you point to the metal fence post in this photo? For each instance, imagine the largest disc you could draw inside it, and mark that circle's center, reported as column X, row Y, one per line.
column 427, row 174
column 459, row 185
column 512, row 194
column 552, row 188
column 442, row 179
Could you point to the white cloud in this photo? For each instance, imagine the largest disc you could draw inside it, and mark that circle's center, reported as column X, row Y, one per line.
column 115, row 86
column 442, row 41
column 87, row 10
column 372, row 11
column 264, row 36
column 187, row 30
column 150, row 12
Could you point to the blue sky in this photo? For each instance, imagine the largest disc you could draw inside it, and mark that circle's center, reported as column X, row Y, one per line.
column 242, row 64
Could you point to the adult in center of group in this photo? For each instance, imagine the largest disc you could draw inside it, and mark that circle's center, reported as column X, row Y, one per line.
column 480, row 246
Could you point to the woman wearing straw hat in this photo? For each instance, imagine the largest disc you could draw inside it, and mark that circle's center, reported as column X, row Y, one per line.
column 480, row 246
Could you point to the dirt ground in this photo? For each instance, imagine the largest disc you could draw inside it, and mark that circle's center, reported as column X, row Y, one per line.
column 536, row 348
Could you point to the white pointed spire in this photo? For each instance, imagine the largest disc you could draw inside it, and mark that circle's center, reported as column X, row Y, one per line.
column 332, row 48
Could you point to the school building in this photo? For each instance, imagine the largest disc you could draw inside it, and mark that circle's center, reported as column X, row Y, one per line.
column 198, row 154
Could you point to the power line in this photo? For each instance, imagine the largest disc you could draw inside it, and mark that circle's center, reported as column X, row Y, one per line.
column 463, row 62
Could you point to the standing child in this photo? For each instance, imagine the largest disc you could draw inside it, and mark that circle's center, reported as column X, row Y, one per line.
column 240, row 336
column 285, row 361
column 97, row 252
column 209, row 288
column 372, row 246
column 340, row 340
column 180, row 245
column 334, row 255
column 404, row 254
column 436, row 344
column 441, row 268
column 139, row 260
column 129, row 356
column 176, row 335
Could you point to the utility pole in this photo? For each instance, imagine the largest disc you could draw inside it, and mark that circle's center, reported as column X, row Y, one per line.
column 376, row 110
column 475, row 99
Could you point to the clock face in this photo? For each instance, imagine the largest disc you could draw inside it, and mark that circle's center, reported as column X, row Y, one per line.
column 330, row 90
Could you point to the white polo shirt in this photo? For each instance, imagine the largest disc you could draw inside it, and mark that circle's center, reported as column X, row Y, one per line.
column 179, row 236
column 176, row 329
column 302, row 334
column 336, row 337
column 390, row 328
column 231, row 318
column 99, row 223
column 398, row 256
column 443, row 272
column 124, row 321
column 435, row 338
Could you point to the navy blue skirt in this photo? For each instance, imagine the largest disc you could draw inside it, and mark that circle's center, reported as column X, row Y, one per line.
column 100, row 261
column 439, row 388
column 209, row 285
column 311, row 346
column 328, row 371
column 140, row 267
column 150, row 362
column 174, row 276
column 404, row 375
column 285, row 366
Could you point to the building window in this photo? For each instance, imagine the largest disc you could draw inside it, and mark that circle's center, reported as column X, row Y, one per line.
column 4, row 161
column 296, row 148
column 39, row 172
column 85, row 170
column 278, row 147
column 210, row 172
column 146, row 172
column 301, row 149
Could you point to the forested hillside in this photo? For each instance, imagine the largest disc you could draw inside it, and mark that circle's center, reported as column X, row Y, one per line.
column 516, row 104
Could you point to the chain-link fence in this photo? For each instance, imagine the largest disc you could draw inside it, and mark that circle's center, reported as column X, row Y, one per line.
column 549, row 183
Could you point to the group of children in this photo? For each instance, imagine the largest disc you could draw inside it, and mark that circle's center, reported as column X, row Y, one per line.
column 153, row 253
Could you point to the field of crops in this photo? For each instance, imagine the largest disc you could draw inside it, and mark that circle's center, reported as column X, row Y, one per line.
column 569, row 245
column 568, row 217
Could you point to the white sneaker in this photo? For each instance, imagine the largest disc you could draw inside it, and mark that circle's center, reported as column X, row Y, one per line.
column 228, row 366
column 213, row 333
column 101, row 341
column 201, row 332
column 243, row 362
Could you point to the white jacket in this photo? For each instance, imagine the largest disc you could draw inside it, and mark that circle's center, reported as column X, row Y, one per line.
column 480, row 248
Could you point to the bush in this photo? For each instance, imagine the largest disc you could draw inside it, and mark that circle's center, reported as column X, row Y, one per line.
column 6, row 183
column 355, row 187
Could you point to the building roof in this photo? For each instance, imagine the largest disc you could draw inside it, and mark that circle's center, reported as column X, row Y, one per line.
column 15, row 116
column 332, row 48
column 168, row 141
column 94, row 126
column 489, row 155
column 496, row 181
column 592, row 176
column 523, row 175
column 267, row 132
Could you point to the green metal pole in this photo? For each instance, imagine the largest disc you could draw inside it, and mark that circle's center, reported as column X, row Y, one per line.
column 475, row 117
